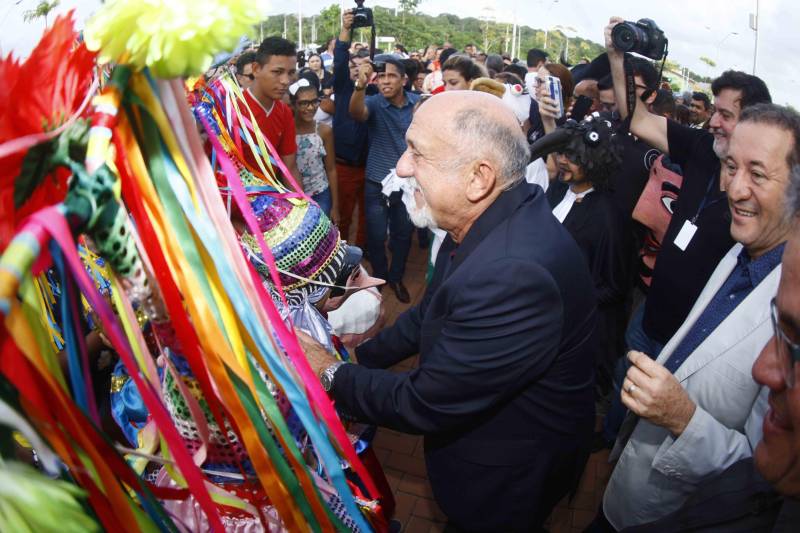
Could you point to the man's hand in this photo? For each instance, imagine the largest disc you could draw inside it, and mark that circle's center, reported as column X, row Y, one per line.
column 318, row 357
column 653, row 393
column 364, row 73
column 613, row 21
column 548, row 108
column 347, row 20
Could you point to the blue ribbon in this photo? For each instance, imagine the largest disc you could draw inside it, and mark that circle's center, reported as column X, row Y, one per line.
column 68, row 322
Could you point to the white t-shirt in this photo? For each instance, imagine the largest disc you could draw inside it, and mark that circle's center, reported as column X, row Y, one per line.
column 321, row 117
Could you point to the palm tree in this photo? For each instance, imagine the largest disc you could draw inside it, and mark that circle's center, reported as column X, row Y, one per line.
column 42, row 9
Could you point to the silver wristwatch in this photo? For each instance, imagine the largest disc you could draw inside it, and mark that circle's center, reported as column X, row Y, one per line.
column 326, row 377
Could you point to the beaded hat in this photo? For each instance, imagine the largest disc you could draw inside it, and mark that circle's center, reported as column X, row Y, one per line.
column 305, row 244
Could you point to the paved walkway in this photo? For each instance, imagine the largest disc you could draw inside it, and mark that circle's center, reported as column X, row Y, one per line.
column 402, row 459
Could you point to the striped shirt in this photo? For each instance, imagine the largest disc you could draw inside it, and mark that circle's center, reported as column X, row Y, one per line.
column 387, row 125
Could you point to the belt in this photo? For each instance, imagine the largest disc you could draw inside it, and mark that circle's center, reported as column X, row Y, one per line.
column 348, row 163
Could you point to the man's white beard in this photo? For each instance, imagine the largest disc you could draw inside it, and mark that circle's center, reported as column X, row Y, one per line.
column 421, row 217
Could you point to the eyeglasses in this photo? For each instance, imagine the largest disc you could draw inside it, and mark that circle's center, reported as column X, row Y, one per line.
column 308, row 103
column 788, row 353
column 250, row 77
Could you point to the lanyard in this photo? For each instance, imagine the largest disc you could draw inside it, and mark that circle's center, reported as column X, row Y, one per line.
column 705, row 202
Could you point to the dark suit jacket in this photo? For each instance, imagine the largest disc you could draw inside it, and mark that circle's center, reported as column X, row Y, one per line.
column 503, row 392
column 597, row 226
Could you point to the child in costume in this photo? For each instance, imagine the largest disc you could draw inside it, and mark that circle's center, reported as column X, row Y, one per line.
column 307, row 249
column 202, row 408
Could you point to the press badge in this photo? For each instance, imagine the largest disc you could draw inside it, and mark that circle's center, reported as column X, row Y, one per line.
column 685, row 235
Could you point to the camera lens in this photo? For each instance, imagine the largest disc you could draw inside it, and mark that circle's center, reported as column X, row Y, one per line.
column 624, row 36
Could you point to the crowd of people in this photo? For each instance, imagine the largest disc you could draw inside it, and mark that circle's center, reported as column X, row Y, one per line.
column 636, row 268
column 612, row 266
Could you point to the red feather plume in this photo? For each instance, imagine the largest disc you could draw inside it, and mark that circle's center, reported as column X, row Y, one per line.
column 37, row 96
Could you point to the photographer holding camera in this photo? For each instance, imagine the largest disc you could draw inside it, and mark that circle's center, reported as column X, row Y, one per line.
column 387, row 115
column 698, row 235
column 350, row 136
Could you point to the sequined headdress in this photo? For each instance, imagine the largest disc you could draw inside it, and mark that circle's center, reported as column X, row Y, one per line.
column 305, row 244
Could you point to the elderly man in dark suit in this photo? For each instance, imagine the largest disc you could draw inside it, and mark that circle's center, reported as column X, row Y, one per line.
column 505, row 331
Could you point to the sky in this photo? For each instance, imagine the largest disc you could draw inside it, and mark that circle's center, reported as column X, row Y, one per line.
column 718, row 29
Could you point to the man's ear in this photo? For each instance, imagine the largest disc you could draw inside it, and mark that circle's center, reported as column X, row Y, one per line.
column 482, row 180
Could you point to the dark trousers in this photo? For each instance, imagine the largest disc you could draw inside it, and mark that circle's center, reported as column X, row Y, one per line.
column 507, row 498
column 383, row 214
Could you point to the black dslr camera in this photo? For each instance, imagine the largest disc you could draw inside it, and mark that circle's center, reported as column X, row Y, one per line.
column 642, row 37
column 362, row 16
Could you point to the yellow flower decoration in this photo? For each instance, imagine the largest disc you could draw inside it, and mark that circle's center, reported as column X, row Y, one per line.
column 171, row 37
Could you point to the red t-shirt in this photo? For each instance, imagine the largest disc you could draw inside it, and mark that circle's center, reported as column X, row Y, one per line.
column 277, row 125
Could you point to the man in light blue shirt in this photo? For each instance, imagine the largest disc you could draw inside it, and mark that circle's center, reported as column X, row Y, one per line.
column 387, row 115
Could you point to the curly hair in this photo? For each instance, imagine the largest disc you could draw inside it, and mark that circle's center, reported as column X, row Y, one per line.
column 593, row 147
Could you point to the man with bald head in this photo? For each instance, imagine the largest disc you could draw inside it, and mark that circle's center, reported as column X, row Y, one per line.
column 505, row 331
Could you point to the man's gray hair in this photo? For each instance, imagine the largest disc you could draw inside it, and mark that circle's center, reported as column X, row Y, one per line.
column 482, row 135
column 787, row 120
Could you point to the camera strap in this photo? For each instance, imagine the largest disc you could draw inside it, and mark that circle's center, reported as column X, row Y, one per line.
column 372, row 40
column 663, row 60
column 630, row 83
column 630, row 90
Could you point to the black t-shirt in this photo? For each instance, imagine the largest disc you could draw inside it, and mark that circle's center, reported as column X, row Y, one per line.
column 679, row 276
column 629, row 181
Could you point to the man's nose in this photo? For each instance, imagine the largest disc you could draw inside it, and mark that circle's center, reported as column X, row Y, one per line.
column 737, row 186
column 767, row 368
column 404, row 168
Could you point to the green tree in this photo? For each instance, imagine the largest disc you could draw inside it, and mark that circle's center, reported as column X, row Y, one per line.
column 42, row 9
column 329, row 22
column 408, row 6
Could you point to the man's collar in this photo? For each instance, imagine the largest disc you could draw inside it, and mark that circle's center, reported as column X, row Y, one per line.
column 759, row 268
column 407, row 101
column 266, row 111
column 502, row 208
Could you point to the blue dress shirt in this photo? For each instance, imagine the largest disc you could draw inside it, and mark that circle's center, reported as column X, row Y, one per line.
column 745, row 277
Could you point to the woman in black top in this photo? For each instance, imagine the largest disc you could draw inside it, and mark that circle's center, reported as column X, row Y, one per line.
column 315, row 65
